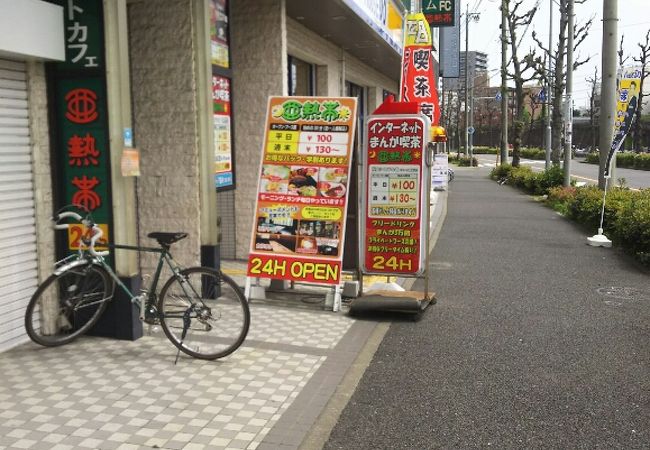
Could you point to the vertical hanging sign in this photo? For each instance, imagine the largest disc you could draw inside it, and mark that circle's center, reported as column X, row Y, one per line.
column 223, row 168
column 627, row 96
column 394, row 201
column 300, row 213
column 80, row 118
column 418, row 83
column 221, row 95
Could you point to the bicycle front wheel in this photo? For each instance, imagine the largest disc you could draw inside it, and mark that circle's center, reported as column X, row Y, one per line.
column 204, row 313
column 67, row 305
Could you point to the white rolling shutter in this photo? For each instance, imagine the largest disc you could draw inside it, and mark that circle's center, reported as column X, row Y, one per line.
column 18, row 271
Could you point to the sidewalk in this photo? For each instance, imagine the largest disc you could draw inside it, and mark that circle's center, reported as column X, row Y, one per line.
column 107, row 394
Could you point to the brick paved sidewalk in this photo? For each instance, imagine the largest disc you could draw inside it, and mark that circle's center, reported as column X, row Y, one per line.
column 106, row 394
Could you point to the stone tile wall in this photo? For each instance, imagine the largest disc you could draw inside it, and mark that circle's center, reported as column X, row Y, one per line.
column 165, row 123
column 262, row 36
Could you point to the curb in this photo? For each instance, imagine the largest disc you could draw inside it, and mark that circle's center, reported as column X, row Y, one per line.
column 320, row 431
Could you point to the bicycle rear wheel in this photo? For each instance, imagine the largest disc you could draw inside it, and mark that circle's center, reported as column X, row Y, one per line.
column 67, row 305
column 204, row 313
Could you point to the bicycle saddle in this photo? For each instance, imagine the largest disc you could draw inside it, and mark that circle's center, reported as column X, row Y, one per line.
column 167, row 239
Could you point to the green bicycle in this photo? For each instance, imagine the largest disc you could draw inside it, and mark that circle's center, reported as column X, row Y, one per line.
column 202, row 311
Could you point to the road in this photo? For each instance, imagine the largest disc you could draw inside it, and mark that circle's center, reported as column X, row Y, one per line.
column 537, row 341
column 637, row 179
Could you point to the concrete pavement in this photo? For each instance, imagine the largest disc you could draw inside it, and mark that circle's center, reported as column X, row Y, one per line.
column 538, row 341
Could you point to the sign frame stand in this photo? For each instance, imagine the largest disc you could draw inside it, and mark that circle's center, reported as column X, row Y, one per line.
column 394, row 298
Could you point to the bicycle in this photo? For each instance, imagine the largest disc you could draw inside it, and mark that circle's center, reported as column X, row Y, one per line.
column 201, row 310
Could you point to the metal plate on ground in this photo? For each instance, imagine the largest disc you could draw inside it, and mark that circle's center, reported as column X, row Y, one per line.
column 398, row 301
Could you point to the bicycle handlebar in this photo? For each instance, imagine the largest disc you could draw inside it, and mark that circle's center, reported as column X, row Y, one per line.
column 87, row 222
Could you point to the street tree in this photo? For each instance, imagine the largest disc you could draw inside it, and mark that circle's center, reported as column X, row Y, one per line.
column 450, row 115
column 558, row 75
column 534, row 104
column 518, row 69
column 594, row 82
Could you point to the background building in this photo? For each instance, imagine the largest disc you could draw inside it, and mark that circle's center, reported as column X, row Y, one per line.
column 185, row 84
column 477, row 63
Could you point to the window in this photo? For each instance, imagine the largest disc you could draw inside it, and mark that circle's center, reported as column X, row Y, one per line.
column 354, row 90
column 302, row 76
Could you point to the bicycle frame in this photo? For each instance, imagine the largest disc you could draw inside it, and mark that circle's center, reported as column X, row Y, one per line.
column 82, row 257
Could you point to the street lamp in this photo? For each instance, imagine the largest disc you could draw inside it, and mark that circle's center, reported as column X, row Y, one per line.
column 475, row 17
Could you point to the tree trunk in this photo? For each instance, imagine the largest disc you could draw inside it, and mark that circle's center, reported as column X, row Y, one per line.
column 519, row 123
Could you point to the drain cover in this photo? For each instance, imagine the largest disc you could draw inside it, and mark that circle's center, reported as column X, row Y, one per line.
column 622, row 293
column 617, row 296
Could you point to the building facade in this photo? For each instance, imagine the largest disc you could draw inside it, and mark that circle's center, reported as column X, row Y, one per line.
column 179, row 86
column 477, row 63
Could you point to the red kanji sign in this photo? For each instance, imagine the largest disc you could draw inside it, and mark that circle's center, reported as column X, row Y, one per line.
column 418, row 83
column 85, row 196
column 82, row 151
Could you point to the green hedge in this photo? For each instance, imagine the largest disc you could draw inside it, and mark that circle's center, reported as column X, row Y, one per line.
column 627, row 160
column 536, row 183
column 480, row 150
column 627, row 215
column 533, row 153
column 462, row 161
column 528, row 153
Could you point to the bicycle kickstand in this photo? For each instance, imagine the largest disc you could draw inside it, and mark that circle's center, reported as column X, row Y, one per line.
column 186, row 325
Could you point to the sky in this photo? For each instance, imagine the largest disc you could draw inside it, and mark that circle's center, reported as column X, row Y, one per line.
column 634, row 22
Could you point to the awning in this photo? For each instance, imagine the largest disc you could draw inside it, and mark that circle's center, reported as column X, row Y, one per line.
column 346, row 24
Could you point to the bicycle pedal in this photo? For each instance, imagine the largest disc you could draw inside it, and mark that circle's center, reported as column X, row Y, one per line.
column 152, row 330
column 152, row 320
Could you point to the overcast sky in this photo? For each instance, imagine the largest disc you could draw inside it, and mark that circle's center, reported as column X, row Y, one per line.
column 634, row 22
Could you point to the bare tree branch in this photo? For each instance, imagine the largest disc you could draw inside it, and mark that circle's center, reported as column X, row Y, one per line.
column 643, row 60
column 621, row 60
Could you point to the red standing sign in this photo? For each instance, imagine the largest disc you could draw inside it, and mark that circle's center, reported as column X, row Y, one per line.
column 394, row 204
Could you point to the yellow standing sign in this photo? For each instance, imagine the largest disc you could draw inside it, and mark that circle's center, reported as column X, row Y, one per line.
column 300, row 212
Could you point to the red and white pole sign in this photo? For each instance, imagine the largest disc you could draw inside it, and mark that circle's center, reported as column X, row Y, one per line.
column 395, row 200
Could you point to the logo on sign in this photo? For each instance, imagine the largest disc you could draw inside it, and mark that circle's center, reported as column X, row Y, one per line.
column 416, row 29
column 82, row 105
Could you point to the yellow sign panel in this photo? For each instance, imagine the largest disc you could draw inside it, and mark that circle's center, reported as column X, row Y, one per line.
column 77, row 231
column 417, row 30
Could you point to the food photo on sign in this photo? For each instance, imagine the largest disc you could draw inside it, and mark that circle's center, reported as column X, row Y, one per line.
column 303, row 181
column 276, row 234
column 333, row 182
column 275, row 179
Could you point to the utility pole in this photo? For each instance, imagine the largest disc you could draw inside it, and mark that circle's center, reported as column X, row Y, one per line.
column 608, row 86
column 466, row 76
column 471, row 122
column 474, row 17
column 568, row 127
column 549, row 87
column 504, row 87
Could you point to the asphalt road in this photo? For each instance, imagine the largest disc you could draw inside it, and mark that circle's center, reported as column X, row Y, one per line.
column 581, row 171
column 537, row 341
